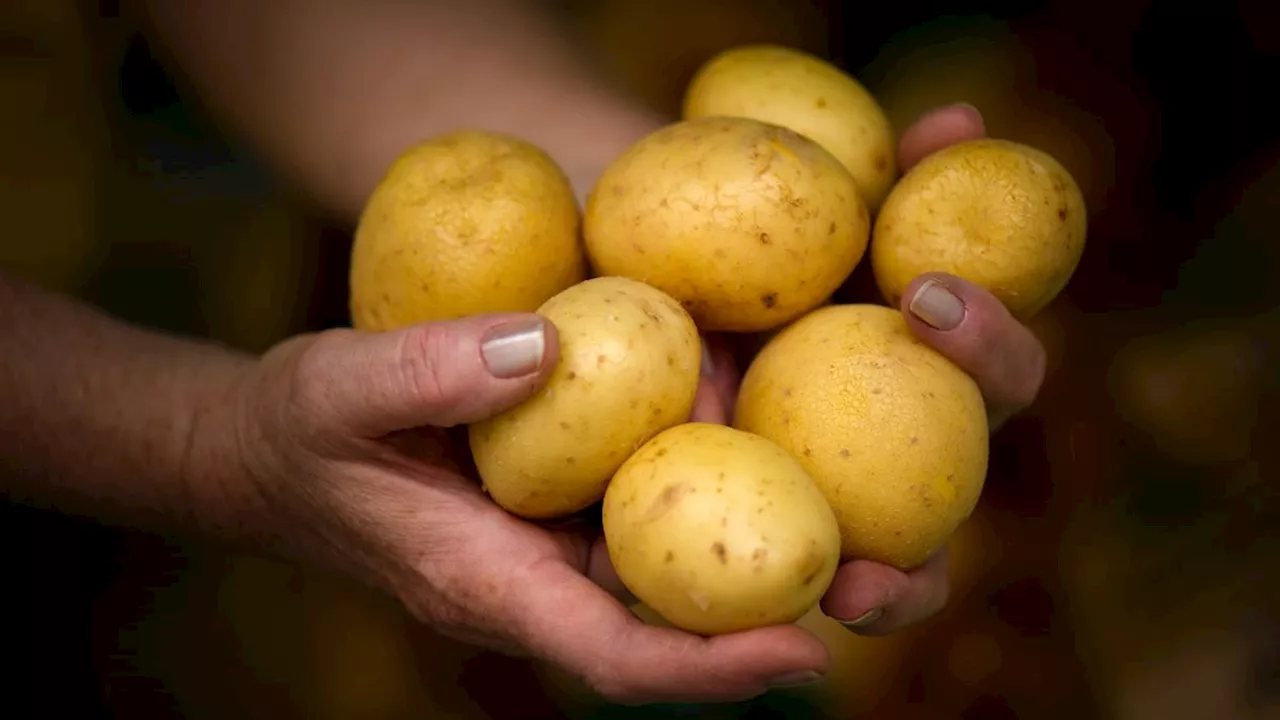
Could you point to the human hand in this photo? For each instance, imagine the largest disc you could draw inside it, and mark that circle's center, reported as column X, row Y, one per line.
column 343, row 434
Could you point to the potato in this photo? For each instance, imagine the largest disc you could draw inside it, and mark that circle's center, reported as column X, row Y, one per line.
column 465, row 223
column 789, row 87
column 893, row 433
column 718, row 530
column 630, row 357
column 747, row 224
column 1003, row 215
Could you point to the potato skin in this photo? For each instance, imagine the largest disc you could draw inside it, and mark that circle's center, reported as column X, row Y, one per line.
column 718, row 530
column 466, row 223
column 747, row 224
column 999, row 214
column 893, row 433
column 630, row 358
column 800, row 91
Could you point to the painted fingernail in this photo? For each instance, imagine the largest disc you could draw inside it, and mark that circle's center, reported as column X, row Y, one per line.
column 866, row 620
column 515, row 349
column 795, row 679
column 937, row 306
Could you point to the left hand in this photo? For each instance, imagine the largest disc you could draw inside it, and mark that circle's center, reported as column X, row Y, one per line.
column 968, row 325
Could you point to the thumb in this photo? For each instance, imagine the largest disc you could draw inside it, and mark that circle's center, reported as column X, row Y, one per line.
column 439, row 374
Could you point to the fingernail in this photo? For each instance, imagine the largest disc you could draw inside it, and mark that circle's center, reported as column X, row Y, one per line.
column 867, row 619
column 795, row 679
column 708, row 365
column 514, row 349
column 937, row 306
column 970, row 110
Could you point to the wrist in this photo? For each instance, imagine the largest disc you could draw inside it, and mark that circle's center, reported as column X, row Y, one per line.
column 219, row 470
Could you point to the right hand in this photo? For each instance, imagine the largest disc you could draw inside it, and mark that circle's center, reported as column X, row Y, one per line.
column 341, row 437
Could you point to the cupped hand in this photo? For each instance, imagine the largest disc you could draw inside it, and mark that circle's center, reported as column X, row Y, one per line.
column 972, row 328
column 343, row 435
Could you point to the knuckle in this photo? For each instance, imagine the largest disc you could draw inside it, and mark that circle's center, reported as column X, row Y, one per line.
column 422, row 364
column 311, row 373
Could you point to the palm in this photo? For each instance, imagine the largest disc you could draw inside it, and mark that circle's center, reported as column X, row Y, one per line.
column 479, row 559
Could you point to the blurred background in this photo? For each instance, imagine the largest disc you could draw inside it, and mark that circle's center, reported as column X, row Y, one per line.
column 1122, row 564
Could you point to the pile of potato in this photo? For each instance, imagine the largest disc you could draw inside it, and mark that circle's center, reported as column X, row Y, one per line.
column 851, row 438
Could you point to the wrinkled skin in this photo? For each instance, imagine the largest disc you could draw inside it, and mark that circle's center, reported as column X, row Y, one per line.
column 341, row 433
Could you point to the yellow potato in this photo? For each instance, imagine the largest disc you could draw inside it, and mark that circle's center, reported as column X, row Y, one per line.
column 999, row 214
column 466, row 223
column 719, row 530
column 893, row 433
column 629, row 363
column 800, row 91
column 747, row 224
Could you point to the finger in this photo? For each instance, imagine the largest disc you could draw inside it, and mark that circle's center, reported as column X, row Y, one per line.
column 600, row 571
column 724, row 377
column 717, row 385
column 873, row 599
column 707, row 406
column 938, row 129
column 441, row 374
column 975, row 330
column 578, row 626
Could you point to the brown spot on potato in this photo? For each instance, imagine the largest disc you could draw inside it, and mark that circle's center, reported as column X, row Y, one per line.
column 564, row 425
column 717, row 549
column 769, row 300
column 813, row 564
column 667, row 499
column 571, row 376
column 1062, row 214
column 661, row 452
column 881, row 161
column 601, row 359
column 765, row 239
column 844, row 452
column 832, row 229
column 820, row 103
column 670, row 556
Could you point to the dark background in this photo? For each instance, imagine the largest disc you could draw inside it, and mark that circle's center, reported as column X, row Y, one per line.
column 1121, row 564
